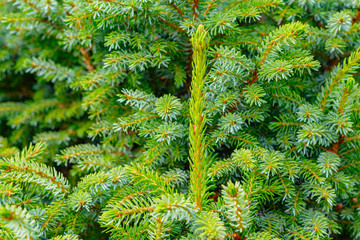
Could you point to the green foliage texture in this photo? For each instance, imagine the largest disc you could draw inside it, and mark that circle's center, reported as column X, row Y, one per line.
column 179, row 119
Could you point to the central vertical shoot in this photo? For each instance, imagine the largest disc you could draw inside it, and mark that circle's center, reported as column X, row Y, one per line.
column 198, row 177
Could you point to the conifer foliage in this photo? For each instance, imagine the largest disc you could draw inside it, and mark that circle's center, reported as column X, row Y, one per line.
column 179, row 119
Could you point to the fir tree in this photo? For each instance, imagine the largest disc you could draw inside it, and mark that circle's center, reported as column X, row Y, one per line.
column 179, row 119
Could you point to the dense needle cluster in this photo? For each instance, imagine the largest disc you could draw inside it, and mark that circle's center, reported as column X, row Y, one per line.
column 179, row 119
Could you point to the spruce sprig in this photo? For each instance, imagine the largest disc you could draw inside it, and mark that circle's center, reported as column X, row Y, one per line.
column 198, row 158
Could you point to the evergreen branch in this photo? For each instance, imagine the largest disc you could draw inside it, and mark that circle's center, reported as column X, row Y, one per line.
column 66, row 237
column 251, row 117
column 124, row 124
column 103, row 181
column 11, row 108
column 32, row 152
column 53, row 137
column 97, row 96
column 18, row 221
column 74, row 153
column 178, row 10
column 236, row 205
column 282, row 35
column 195, row 8
column 154, row 153
column 349, row 66
column 8, row 193
column 198, row 175
column 135, row 209
column 222, row 168
column 210, row 5
column 21, row 167
column 49, row 70
column 53, row 214
column 151, row 179
column 208, row 225
column 171, row 25
column 174, row 207
column 87, row 59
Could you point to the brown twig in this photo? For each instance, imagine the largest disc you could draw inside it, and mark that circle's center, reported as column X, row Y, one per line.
column 178, row 10
column 335, row 147
column 171, row 25
column 208, row 8
column 195, row 8
column 87, row 59
column 357, row 16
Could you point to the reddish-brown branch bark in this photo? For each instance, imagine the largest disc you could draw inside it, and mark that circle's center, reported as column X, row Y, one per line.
column 178, row 10
column 87, row 59
column 195, row 9
column 357, row 16
column 208, row 8
column 171, row 25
